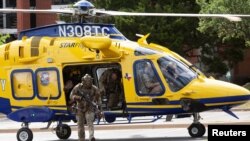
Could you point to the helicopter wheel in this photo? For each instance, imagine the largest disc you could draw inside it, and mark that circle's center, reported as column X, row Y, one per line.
column 196, row 130
column 63, row 131
column 110, row 118
column 24, row 134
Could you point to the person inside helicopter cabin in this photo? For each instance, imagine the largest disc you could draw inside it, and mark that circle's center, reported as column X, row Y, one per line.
column 68, row 86
column 149, row 79
column 72, row 77
column 111, row 86
column 85, row 93
column 176, row 76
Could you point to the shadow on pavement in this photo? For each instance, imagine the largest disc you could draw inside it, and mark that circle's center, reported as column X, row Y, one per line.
column 148, row 139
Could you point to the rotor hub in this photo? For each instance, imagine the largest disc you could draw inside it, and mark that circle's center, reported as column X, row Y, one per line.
column 84, row 5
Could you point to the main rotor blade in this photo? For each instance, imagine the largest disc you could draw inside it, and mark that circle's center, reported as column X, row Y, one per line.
column 65, row 11
column 231, row 17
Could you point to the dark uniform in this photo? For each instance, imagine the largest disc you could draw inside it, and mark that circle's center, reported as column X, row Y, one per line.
column 86, row 111
column 111, row 86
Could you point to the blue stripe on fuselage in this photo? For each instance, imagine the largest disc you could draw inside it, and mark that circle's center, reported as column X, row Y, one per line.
column 5, row 106
column 204, row 101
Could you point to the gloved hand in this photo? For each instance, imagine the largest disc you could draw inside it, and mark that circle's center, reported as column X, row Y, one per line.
column 99, row 115
column 119, row 104
column 77, row 98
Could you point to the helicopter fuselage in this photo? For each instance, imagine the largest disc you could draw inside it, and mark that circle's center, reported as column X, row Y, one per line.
column 34, row 71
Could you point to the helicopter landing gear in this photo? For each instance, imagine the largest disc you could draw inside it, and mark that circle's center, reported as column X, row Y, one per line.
column 196, row 129
column 63, row 131
column 110, row 118
column 24, row 134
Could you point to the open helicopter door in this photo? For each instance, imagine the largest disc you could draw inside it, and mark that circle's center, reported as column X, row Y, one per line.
column 101, row 73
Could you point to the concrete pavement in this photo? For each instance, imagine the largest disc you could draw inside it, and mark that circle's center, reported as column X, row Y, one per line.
column 157, row 131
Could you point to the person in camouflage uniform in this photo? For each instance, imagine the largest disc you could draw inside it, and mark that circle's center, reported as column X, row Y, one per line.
column 85, row 110
column 111, row 86
column 150, row 81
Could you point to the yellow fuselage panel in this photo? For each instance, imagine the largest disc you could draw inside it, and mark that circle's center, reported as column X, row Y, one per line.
column 47, row 52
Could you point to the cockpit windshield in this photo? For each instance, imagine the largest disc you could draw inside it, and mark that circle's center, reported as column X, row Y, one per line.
column 176, row 74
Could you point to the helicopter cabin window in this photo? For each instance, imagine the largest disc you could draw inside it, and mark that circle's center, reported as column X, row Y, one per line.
column 22, row 84
column 140, row 51
column 48, row 84
column 147, row 80
column 176, row 74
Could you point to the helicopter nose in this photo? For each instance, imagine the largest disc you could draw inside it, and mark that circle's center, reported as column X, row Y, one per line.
column 231, row 94
column 218, row 94
column 243, row 93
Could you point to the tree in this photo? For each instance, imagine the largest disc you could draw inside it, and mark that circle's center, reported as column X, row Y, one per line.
column 228, row 40
column 179, row 34
column 3, row 38
column 221, row 42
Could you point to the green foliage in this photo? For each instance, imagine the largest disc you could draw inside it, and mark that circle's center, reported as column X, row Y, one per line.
column 223, row 28
column 3, row 38
column 179, row 34
column 229, row 39
column 247, row 85
column 222, row 42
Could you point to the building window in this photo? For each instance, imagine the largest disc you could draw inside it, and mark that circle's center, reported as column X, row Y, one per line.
column 11, row 3
column 147, row 80
column 1, row 20
column 11, row 20
column 48, row 83
column 32, row 3
column 22, row 84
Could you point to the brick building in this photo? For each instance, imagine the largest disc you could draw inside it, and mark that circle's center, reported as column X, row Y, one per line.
column 8, row 22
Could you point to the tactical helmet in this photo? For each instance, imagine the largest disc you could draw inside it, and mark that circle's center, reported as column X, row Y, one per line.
column 87, row 80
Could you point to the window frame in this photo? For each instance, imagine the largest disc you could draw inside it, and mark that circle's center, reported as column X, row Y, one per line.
column 157, row 76
column 58, row 83
column 33, row 84
column 178, row 62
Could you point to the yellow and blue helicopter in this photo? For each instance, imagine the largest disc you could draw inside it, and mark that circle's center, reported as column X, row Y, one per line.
column 35, row 68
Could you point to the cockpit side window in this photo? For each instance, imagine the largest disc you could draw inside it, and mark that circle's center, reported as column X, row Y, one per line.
column 147, row 80
column 177, row 75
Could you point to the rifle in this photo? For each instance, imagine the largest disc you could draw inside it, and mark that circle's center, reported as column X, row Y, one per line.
column 92, row 103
